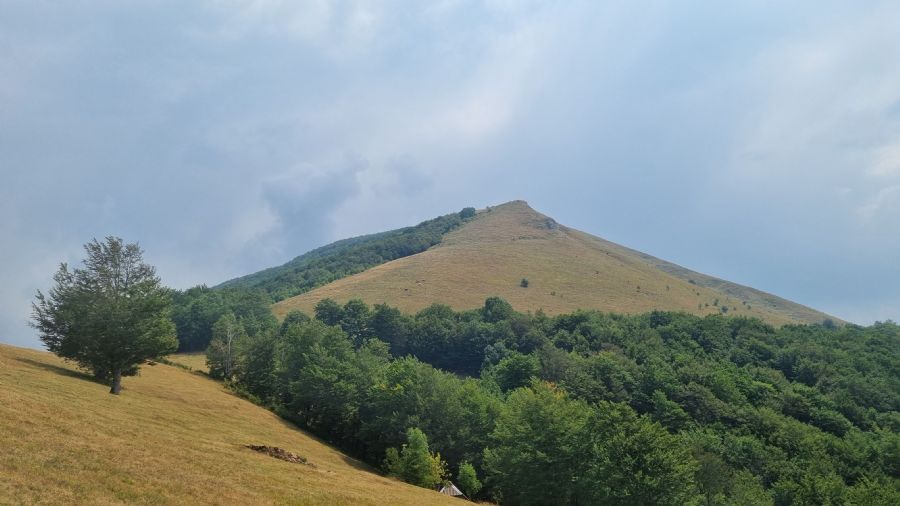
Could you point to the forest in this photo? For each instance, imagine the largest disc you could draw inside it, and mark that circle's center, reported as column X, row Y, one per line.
column 349, row 256
column 587, row 407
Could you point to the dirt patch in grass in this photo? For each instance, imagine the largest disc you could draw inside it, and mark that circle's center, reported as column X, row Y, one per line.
column 280, row 453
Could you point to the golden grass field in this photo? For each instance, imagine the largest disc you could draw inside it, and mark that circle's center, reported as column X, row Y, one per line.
column 566, row 270
column 172, row 437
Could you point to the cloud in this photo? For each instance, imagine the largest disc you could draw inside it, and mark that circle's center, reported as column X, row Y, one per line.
column 886, row 201
column 227, row 136
column 342, row 30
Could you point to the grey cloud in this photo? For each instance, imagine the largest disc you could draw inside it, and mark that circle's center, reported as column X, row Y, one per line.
column 740, row 141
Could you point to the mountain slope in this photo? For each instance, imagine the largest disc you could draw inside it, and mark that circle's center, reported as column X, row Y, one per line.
column 172, row 437
column 349, row 256
column 566, row 269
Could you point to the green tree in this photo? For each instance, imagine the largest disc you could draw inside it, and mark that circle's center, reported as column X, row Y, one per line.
column 468, row 480
column 356, row 321
column 228, row 337
column 295, row 317
column 516, row 371
column 391, row 326
column 255, row 368
column 496, row 309
column 668, row 413
column 414, row 463
column 538, row 447
column 109, row 316
column 329, row 312
column 635, row 461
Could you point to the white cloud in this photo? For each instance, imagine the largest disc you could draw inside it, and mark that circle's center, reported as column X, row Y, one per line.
column 822, row 117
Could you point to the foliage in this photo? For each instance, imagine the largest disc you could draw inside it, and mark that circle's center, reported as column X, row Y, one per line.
column 228, row 336
column 109, row 316
column 587, row 407
column 468, row 481
column 516, row 370
column 414, row 463
column 536, row 451
column 197, row 309
column 633, row 460
column 348, row 257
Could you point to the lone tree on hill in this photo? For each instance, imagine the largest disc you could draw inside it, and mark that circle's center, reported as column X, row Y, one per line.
column 109, row 316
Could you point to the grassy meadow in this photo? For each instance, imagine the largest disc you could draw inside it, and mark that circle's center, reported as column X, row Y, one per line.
column 172, row 437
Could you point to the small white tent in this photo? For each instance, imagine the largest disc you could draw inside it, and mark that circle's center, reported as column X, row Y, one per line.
column 451, row 490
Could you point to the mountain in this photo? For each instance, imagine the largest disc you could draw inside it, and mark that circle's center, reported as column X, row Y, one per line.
column 460, row 259
column 493, row 251
column 172, row 437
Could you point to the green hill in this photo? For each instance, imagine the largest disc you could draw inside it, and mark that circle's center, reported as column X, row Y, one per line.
column 346, row 257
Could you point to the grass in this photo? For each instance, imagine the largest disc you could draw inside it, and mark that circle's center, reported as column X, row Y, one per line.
column 194, row 361
column 171, row 437
column 566, row 270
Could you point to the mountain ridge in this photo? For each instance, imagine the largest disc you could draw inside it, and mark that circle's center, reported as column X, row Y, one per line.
column 566, row 269
column 348, row 256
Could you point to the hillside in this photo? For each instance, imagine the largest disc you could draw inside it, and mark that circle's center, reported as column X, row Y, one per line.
column 173, row 437
column 348, row 256
column 566, row 270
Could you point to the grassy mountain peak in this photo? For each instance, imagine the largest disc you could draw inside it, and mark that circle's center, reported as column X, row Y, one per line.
column 502, row 249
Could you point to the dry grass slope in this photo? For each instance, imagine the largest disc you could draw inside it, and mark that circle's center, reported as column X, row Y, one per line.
column 566, row 270
column 172, row 437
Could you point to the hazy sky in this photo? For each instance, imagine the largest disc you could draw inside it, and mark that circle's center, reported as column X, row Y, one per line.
column 754, row 141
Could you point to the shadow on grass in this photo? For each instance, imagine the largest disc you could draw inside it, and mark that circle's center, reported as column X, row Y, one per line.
column 359, row 465
column 62, row 371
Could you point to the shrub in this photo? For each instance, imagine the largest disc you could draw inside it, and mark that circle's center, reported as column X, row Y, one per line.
column 414, row 463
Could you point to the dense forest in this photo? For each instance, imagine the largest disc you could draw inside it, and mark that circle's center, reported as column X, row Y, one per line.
column 349, row 256
column 588, row 407
column 197, row 309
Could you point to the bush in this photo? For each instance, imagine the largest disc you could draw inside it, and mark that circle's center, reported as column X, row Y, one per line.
column 468, row 480
column 524, row 283
column 414, row 463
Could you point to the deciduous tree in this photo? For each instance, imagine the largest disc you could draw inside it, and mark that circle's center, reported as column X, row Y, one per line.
column 108, row 316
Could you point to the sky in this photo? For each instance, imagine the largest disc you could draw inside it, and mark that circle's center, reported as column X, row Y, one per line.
column 754, row 141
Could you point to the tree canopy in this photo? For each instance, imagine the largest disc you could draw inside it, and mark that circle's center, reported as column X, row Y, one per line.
column 108, row 316
column 596, row 408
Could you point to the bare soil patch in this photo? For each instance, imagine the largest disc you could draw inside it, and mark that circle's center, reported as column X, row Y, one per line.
column 281, row 453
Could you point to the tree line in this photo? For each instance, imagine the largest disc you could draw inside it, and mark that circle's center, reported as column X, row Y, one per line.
column 349, row 256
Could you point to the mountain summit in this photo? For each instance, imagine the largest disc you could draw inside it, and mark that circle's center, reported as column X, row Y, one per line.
column 529, row 259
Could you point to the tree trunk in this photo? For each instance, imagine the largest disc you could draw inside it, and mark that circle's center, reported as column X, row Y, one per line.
column 116, row 382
